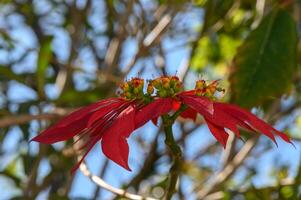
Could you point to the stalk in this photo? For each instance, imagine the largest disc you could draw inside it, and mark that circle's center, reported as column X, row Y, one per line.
column 175, row 150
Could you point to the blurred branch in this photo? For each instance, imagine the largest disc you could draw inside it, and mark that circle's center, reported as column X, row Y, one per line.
column 149, row 40
column 229, row 169
column 102, row 172
column 260, row 4
column 230, row 149
column 31, row 189
column 101, row 183
column 23, row 119
column 183, row 69
column 148, row 165
column 157, row 31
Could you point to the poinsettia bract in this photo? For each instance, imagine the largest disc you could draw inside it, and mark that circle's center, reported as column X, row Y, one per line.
column 111, row 121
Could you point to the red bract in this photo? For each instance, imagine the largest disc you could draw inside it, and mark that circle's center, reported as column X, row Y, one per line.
column 110, row 121
column 113, row 142
column 221, row 116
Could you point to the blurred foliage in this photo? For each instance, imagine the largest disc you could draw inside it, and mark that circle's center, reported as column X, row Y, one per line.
column 259, row 66
column 61, row 55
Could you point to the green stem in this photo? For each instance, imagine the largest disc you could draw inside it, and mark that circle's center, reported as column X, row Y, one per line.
column 175, row 150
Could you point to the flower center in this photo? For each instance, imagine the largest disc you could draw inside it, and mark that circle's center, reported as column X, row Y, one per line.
column 132, row 89
column 203, row 89
column 166, row 86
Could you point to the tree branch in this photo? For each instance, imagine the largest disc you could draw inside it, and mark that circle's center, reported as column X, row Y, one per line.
column 23, row 119
column 101, row 183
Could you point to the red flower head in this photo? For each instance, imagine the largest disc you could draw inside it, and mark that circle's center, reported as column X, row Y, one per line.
column 111, row 121
column 219, row 116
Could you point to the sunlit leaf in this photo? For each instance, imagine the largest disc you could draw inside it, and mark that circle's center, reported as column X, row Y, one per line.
column 214, row 51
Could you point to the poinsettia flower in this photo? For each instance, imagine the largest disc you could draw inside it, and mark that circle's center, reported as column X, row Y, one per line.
column 92, row 123
column 114, row 144
column 110, row 121
column 221, row 116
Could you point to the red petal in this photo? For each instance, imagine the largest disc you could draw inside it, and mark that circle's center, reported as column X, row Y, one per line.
column 225, row 120
column 95, row 116
column 154, row 109
column 252, row 120
column 57, row 134
column 202, row 105
column 82, row 112
column 114, row 144
column 89, row 146
column 218, row 132
column 78, row 120
column 189, row 113
column 117, row 150
column 217, row 116
column 155, row 121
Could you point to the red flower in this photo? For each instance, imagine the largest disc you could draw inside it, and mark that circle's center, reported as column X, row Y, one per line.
column 110, row 121
column 113, row 142
column 221, row 116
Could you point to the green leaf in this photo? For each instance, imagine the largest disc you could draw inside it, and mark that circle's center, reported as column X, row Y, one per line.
column 44, row 58
column 214, row 11
column 266, row 62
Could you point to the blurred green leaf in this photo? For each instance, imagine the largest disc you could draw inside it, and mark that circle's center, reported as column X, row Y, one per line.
column 199, row 2
column 218, row 50
column 193, row 170
column 296, row 186
column 28, row 161
column 261, row 70
column 287, row 192
column 4, row 2
column 44, row 58
column 214, row 11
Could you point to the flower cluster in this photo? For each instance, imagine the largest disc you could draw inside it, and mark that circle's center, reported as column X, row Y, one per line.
column 111, row 121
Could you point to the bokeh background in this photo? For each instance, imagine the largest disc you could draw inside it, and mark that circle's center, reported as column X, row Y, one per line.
column 59, row 55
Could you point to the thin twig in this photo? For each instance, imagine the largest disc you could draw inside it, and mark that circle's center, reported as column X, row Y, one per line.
column 102, row 172
column 229, row 169
column 149, row 40
column 23, row 119
column 101, row 183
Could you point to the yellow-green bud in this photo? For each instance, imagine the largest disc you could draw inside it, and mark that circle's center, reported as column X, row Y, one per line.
column 150, row 89
column 200, row 84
